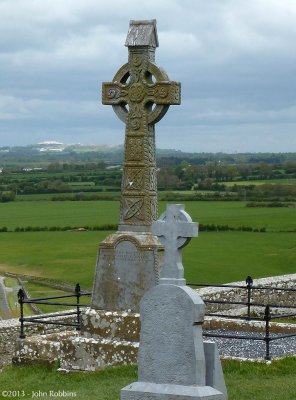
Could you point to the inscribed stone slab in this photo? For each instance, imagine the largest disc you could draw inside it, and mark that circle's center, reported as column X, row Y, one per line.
column 171, row 347
column 127, row 266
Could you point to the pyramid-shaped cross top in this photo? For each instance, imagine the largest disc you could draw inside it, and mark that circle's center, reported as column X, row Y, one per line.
column 132, row 91
column 174, row 229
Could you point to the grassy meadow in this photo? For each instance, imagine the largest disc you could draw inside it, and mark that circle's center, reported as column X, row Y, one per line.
column 212, row 257
column 258, row 381
column 80, row 213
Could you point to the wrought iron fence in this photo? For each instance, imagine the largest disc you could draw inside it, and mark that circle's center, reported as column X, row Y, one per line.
column 249, row 288
column 267, row 316
column 46, row 319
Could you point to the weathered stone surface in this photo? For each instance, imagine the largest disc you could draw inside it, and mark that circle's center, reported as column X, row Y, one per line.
column 10, row 331
column 89, row 354
column 128, row 265
column 171, row 346
column 116, row 325
column 40, row 349
column 140, row 94
column 135, row 89
column 174, row 229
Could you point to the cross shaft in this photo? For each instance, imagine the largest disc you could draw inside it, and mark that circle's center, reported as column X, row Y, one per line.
column 140, row 94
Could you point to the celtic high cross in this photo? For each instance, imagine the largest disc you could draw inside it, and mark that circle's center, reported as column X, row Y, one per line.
column 140, row 94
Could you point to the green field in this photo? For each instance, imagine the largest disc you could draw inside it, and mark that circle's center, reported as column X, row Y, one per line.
column 81, row 213
column 244, row 381
column 256, row 182
column 52, row 213
column 213, row 256
column 48, row 196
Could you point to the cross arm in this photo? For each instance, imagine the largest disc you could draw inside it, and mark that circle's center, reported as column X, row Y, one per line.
column 166, row 93
column 188, row 229
column 159, row 228
column 113, row 93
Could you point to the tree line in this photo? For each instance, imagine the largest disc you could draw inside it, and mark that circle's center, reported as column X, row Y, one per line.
column 221, row 180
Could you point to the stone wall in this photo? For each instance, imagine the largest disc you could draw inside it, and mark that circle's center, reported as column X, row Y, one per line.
column 123, row 326
column 10, row 331
column 257, row 296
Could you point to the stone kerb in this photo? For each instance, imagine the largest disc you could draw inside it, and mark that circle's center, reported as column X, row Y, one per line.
column 107, row 338
column 9, row 337
column 115, row 325
column 257, row 296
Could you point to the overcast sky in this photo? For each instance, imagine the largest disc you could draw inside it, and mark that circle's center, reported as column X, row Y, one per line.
column 235, row 59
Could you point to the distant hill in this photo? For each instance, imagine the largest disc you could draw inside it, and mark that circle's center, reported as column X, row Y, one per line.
column 52, row 151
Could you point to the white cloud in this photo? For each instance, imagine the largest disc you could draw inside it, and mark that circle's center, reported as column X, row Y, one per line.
column 234, row 58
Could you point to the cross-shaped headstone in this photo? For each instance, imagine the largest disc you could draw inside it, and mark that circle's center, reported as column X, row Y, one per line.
column 140, row 94
column 174, row 229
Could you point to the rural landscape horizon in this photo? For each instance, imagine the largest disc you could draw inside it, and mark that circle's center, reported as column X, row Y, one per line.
column 243, row 202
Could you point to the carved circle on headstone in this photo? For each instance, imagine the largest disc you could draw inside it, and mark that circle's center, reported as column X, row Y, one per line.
column 183, row 216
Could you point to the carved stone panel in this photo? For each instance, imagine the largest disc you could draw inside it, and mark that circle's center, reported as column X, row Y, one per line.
column 125, row 271
column 133, row 210
column 134, row 179
column 134, row 148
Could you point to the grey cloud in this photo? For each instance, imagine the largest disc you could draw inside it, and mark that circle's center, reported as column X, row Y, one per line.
column 235, row 60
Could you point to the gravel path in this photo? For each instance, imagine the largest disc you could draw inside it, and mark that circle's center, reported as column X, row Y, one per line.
column 4, row 306
column 253, row 349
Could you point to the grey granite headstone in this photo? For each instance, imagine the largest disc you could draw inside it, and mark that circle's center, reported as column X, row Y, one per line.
column 140, row 94
column 173, row 362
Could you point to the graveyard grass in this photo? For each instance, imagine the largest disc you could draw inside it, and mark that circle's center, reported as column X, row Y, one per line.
column 259, row 381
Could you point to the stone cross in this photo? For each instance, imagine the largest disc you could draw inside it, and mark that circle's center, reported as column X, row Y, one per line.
column 140, row 94
column 174, row 229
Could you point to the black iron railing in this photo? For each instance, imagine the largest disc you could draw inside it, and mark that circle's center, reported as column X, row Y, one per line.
column 46, row 319
column 267, row 316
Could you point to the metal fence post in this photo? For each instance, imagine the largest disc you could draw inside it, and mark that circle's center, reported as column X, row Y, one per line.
column 21, row 297
column 78, row 294
column 249, row 282
column 267, row 318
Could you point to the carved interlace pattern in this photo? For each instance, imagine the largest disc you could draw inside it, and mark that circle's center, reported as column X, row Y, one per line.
column 132, row 94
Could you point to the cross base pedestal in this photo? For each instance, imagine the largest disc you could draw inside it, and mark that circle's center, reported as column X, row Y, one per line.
column 156, row 391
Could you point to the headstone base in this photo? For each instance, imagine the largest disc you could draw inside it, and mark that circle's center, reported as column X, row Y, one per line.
column 128, row 266
column 156, row 391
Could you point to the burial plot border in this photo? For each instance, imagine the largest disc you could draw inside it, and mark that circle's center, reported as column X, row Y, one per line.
column 267, row 317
